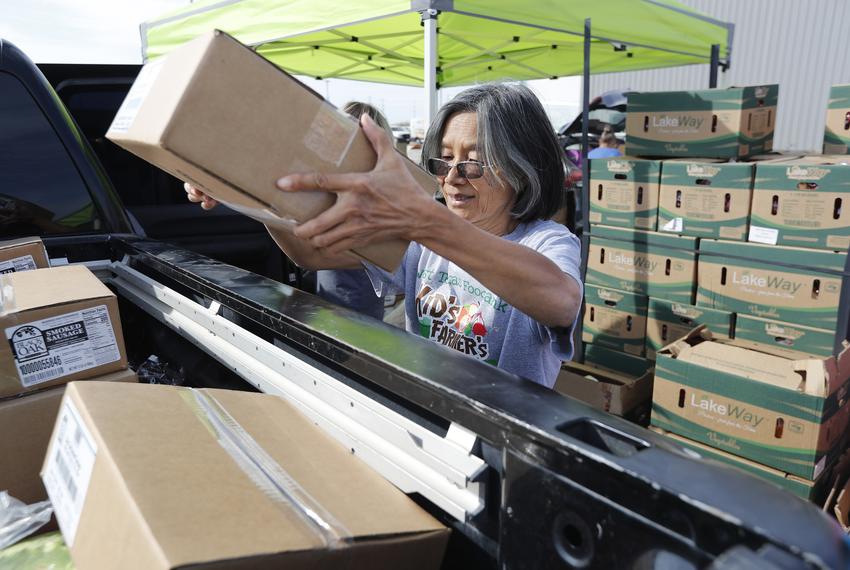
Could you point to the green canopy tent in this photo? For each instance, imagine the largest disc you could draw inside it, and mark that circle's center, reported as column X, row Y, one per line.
column 442, row 43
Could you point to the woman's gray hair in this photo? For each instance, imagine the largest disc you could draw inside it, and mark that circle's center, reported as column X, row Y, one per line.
column 514, row 136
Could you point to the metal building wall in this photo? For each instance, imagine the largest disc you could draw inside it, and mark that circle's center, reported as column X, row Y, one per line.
column 804, row 45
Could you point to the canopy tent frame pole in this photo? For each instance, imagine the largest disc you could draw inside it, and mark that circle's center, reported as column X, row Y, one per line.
column 429, row 19
column 583, row 201
column 713, row 66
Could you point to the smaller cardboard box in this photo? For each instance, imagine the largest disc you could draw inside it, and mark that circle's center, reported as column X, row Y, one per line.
column 614, row 319
column 803, row 202
column 718, row 123
column 803, row 488
column 26, row 423
column 61, row 324
column 836, row 138
column 787, row 339
column 167, row 477
column 22, row 254
column 624, row 192
column 789, row 414
column 215, row 113
column 667, row 321
column 647, row 263
column 789, row 284
column 705, row 199
column 617, row 383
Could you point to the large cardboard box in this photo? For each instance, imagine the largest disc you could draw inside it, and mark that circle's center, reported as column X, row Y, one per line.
column 647, row 263
column 26, row 423
column 22, row 254
column 614, row 319
column 167, row 477
column 803, row 202
column 614, row 382
column 60, row 324
column 786, row 284
column 803, row 488
column 215, row 113
column 705, row 199
column 836, row 139
column 624, row 192
column 789, row 414
column 793, row 341
column 667, row 321
column 717, row 123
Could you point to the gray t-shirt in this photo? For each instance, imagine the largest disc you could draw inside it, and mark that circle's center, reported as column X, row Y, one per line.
column 447, row 305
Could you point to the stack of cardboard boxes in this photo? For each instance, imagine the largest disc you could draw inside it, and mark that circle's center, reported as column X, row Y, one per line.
column 751, row 249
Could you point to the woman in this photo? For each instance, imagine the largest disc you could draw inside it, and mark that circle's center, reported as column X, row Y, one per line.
column 608, row 144
column 489, row 275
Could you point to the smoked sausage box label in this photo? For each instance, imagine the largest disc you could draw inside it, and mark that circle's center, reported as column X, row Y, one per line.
column 60, row 324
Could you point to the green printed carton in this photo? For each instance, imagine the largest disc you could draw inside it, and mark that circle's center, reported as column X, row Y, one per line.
column 624, row 192
column 803, row 202
column 788, row 284
column 705, row 199
column 614, row 319
column 647, row 263
column 715, row 123
column 789, row 414
column 836, row 137
column 787, row 339
column 803, row 488
column 667, row 321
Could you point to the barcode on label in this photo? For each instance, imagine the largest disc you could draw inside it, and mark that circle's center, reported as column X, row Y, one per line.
column 46, row 375
column 65, row 475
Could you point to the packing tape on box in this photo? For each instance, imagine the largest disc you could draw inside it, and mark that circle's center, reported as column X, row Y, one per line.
column 7, row 296
column 331, row 134
column 263, row 470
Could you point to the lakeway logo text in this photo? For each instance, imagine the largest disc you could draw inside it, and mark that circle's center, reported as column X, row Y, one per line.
column 638, row 261
column 702, row 170
column 770, row 282
column 685, row 121
column 736, row 411
column 620, row 166
column 805, row 173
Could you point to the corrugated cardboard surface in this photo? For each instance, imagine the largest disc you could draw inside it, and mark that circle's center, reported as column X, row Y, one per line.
column 803, row 202
column 26, row 423
column 667, row 321
column 787, row 414
column 165, row 494
column 615, row 319
column 23, row 252
column 787, row 339
column 624, row 192
column 43, row 293
column 803, row 488
column 705, row 199
column 836, row 138
column 734, row 122
column 782, row 283
column 647, row 263
column 218, row 115
column 610, row 392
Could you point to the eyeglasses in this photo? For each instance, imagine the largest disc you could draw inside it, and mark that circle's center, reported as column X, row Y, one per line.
column 469, row 169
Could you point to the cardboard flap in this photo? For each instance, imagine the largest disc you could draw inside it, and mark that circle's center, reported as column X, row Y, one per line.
column 812, row 372
column 750, row 364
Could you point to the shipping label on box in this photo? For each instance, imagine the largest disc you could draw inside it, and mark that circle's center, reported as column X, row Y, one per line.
column 614, row 319
column 784, row 413
column 247, row 479
column 782, row 283
column 604, row 388
column 667, row 321
column 216, row 114
column 60, row 324
column 22, row 254
column 624, row 192
column 803, row 488
column 721, row 123
column 836, row 139
column 776, row 337
column 705, row 199
column 802, row 203
column 647, row 263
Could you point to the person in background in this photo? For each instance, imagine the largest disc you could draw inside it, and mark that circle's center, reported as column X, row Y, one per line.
column 488, row 275
column 608, row 145
column 351, row 287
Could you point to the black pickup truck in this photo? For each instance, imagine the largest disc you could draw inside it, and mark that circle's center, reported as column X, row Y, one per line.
column 525, row 477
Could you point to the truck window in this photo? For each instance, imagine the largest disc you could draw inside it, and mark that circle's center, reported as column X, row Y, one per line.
column 41, row 191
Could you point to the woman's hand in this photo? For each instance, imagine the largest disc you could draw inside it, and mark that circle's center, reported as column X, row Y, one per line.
column 198, row 197
column 374, row 206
